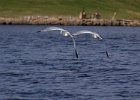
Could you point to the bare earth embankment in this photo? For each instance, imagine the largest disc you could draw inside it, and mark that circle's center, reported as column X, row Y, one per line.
column 44, row 20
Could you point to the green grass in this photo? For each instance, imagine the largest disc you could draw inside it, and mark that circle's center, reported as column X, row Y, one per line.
column 125, row 8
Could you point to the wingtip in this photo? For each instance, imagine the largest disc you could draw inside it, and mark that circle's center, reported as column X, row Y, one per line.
column 76, row 54
column 38, row 31
column 107, row 54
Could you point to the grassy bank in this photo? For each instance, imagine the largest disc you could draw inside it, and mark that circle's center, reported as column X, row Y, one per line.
column 129, row 9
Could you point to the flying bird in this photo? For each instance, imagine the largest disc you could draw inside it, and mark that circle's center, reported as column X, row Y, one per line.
column 94, row 35
column 64, row 33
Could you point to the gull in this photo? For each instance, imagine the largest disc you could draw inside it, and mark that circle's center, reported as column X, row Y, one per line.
column 64, row 33
column 94, row 35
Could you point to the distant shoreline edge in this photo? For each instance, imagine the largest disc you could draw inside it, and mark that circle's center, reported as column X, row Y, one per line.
column 66, row 21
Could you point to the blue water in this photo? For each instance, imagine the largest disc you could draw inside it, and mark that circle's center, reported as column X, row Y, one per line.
column 44, row 66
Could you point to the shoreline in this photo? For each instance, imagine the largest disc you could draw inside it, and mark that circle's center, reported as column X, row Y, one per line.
column 66, row 21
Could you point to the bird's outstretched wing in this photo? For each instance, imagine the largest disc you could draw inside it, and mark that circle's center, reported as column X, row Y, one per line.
column 94, row 34
column 53, row 29
column 64, row 33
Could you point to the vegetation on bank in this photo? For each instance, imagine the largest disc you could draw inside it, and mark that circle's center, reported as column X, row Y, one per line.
column 129, row 9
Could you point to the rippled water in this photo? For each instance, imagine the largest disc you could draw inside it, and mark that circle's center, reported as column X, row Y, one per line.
column 43, row 65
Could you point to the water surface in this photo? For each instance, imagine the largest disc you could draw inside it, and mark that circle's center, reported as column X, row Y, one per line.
column 43, row 65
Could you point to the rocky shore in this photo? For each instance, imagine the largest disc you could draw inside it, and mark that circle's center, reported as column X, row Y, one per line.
column 45, row 20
